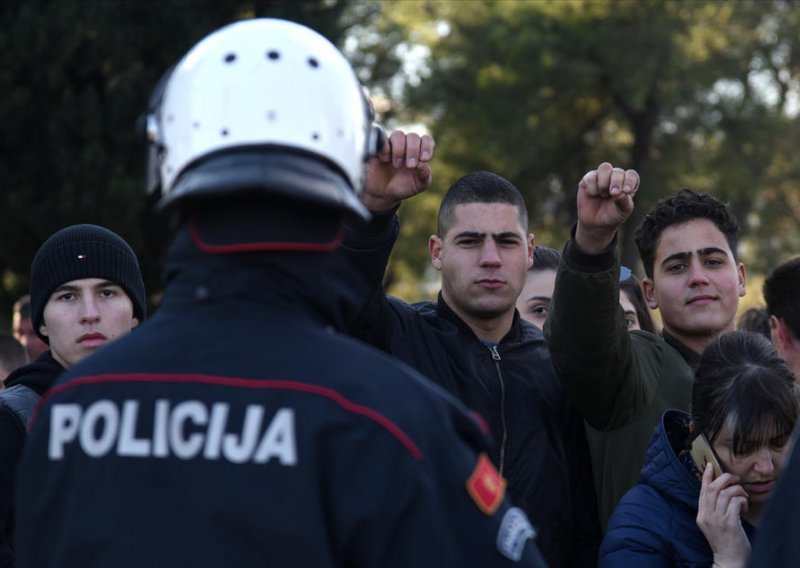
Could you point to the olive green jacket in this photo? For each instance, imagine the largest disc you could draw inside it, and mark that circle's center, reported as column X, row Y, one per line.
column 620, row 381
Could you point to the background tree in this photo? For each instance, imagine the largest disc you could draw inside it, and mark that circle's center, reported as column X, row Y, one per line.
column 697, row 94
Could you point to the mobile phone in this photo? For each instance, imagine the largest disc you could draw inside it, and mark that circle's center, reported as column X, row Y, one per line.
column 703, row 453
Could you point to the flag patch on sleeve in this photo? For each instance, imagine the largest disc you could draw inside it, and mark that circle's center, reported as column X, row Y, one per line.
column 485, row 486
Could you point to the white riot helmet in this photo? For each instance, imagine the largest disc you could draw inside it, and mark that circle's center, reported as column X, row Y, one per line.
column 262, row 104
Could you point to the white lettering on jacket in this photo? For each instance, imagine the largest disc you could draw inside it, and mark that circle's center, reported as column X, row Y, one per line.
column 188, row 430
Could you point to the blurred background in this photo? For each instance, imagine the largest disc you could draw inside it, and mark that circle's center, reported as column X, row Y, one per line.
column 692, row 94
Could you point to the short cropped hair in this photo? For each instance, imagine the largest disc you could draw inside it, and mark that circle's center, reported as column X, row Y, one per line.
column 480, row 187
column 685, row 206
column 545, row 258
column 780, row 293
column 743, row 382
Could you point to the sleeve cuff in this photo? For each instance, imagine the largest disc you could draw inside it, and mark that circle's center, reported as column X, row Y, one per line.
column 580, row 261
column 368, row 234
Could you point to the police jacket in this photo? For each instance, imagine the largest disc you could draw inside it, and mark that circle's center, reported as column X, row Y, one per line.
column 237, row 427
column 540, row 445
column 654, row 524
column 622, row 382
column 24, row 388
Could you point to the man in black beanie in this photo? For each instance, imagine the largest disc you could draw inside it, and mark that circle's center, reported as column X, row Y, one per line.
column 238, row 426
column 86, row 290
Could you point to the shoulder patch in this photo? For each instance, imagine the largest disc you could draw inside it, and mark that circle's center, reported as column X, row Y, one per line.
column 485, row 486
column 515, row 530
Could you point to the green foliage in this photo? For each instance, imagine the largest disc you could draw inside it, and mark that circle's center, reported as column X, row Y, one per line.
column 699, row 94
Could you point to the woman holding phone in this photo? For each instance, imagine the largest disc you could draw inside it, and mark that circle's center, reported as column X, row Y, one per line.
column 744, row 408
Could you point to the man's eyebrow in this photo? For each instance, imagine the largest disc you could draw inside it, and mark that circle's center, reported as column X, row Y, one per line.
column 506, row 235
column 495, row 236
column 700, row 252
column 712, row 250
column 106, row 284
column 534, row 298
column 676, row 256
column 469, row 234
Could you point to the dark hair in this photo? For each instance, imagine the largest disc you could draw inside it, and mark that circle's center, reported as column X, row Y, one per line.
column 755, row 320
column 742, row 379
column 633, row 289
column 545, row 258
column 12, row 353
column 780, row 294
column 685, row 206
column 480, row 187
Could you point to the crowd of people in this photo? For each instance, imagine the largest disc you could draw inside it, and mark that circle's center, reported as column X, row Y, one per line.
column 279, row 408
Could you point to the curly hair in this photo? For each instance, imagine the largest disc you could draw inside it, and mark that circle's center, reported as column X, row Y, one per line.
column 685, row 206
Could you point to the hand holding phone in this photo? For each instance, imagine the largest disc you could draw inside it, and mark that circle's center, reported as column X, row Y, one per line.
column 720, row 505
column 703, row 453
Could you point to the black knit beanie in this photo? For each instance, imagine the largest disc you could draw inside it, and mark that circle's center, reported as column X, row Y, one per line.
column 84, row 251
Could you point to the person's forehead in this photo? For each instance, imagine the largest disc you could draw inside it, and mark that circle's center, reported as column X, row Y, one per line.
column 486, row 217
column 690, row 237
column 541, row 281
column 626, row 302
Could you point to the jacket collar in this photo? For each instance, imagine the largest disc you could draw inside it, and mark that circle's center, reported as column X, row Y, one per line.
column 446, row 312
column 692, row 359
column 320, row 284
column 39, row 375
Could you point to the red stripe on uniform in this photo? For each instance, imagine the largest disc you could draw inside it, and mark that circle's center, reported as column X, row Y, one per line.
column 263, row 246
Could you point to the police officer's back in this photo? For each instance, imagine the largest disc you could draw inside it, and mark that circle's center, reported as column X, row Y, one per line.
column 237, row 427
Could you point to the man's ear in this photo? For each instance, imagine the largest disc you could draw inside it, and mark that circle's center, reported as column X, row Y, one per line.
column 781, row 336
column 742, row 280
column 435, row 249
column 43, row 330
column 648, row 289
column 135, row 322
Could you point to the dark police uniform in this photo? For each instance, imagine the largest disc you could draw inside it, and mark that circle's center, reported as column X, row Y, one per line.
column 236, row 428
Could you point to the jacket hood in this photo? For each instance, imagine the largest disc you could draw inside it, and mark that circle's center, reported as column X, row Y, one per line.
column 39, row 375
column 665, row 469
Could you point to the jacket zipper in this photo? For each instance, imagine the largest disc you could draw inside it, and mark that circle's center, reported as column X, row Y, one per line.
column 496, row 357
